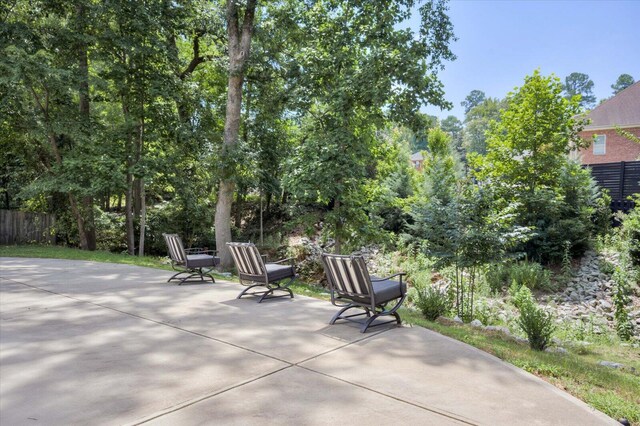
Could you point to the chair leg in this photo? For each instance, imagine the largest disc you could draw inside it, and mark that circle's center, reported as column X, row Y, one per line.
column 371, row 316
column 175, row 275
column 340, row 315
column 368, row 322
column 193, row 274
column 244, row 292
column 268, row 293
column 265, row 294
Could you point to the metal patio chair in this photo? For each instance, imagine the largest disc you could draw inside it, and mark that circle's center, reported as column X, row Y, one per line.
column 352, row 287
column 254, row 271
column 193, row 262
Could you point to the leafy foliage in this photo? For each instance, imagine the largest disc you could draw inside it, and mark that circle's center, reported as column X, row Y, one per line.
column 432, row 302
column 529, row 274
column 579, row 85
column 527, row 163
column 463, row 225
column 538, row 326
column 477, row 122
column 622, row 82
column 473, row 99
column 536, row 323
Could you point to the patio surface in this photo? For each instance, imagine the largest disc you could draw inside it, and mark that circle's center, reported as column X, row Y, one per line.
column 94, row 343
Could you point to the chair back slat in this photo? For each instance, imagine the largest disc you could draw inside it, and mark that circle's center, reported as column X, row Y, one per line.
column 247, row 259
column 347, row 275
column 176, row 249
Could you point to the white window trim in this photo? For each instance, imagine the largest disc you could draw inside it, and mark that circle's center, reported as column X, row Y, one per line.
column 603, row 145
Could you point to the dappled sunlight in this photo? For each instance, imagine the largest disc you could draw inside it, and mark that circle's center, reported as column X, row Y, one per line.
column 124, row 346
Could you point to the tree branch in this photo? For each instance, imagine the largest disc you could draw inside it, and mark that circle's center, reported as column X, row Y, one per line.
column 247, row 27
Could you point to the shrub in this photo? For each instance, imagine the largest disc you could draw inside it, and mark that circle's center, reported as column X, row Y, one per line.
column 497, row 276
column 521, row 295
column 530, row 274
column 485, row 313
column 537, row 324
column 624, row 327
column 630, row 234
column 606, row 267
column 432, row 302
column 110, row 231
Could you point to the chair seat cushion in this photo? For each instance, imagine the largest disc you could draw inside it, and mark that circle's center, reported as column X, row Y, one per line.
column 202, row 261
column 388, row 290
column 277, row 272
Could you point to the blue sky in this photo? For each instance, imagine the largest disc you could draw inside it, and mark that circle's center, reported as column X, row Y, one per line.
column 500, row 42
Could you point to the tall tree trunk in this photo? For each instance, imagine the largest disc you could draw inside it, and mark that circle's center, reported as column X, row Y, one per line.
column 338, row 235
column 239, row 46
column 142, row 200
column 128, row 202
column 131, row 243
column 143, row 220
column 83, row 92
column 84, row 244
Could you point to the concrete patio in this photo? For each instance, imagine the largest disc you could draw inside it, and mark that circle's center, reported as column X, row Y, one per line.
column 93, row 343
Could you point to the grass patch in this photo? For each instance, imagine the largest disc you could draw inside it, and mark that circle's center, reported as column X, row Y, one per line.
column 614, row 392
column 58, row 252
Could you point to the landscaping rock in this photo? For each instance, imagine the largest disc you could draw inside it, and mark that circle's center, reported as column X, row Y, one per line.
column 610, row 364
column 605, row 305
column 476, row 323
column 457, row 319
column 556, row 350
column 499, row 328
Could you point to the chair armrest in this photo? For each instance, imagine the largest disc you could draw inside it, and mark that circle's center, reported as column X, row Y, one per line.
column 289, row 259
column 400, row 274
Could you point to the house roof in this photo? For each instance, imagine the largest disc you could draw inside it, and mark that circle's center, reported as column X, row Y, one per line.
column 622, row 110
column 417, row 156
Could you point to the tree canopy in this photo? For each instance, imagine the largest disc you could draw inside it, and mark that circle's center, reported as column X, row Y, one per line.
column 579, row 84
column 139, row 118
column 623, row 81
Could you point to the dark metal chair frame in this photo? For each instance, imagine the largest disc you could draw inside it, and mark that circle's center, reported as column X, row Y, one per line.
column 351, row 286
column 189, row 261
column 253, row 272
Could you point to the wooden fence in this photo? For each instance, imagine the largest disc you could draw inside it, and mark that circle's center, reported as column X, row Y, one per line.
column 621, row 179
column 23, row 227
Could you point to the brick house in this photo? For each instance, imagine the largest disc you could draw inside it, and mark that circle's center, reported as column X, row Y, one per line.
column 623, row 111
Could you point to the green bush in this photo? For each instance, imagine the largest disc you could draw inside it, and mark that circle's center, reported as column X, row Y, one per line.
column 568, row 212
column 624, row 326
column 630, row 234
column 110, row 231
column 606, row 267
column 520, row 295
column 486, row 314
column 432, row 302
column 530, row 274
column 537, row 324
